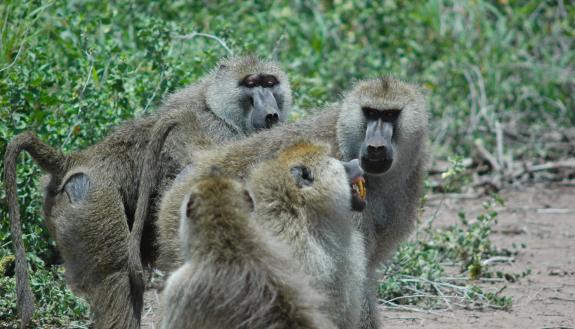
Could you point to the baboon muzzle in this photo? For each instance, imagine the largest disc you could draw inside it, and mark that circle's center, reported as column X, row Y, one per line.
column 376, row 156
column 265, row 108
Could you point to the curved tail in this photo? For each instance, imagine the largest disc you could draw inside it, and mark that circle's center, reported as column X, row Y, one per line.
column 148, row 181
column 51, row 161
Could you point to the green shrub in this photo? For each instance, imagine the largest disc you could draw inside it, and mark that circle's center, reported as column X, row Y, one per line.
column 70, row 70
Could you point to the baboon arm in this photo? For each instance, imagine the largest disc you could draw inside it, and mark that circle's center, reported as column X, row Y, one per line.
column 51, row 161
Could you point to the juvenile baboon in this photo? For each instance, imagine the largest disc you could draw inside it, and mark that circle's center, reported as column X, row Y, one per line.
column 383, row 122
column 235, row 274
column 303, row 198
column 91, row 196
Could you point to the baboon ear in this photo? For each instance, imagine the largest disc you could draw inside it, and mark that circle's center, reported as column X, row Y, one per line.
column 302, row 176
column 222, row 67
column 189, row 205
column 249, row 200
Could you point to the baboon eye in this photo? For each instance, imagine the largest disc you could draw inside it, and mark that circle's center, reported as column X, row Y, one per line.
column 302, row 175
column 269, row 81
column 391, row 114
column 250, row 81
column 370, row 112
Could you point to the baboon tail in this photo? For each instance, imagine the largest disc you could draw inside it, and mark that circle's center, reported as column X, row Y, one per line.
column 148, row 181
column 49, row 160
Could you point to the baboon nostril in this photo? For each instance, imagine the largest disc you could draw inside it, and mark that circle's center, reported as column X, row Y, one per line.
column 272, row 119
column 375, row 149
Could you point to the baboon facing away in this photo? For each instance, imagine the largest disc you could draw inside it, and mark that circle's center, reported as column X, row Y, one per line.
column 91, row 195
column 235, row 274
column 383, row 122
column 304, row 199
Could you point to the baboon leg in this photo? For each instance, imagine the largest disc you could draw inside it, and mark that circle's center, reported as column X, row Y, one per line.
column 93, row 237
column 369, row 314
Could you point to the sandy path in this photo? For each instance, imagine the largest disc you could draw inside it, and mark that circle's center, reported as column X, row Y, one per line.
column 540, row 216
column 544, row 219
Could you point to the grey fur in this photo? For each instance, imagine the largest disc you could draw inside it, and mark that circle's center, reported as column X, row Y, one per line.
column 314, row 220
column 92, row 228
column 235, row 275
column 392, row 198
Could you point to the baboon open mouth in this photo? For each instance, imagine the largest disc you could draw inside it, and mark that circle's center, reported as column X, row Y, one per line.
column 358, row 193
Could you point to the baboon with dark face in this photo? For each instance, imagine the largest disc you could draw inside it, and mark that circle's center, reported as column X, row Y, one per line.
column 91, row 196
column 383, row 122
column 234, row 275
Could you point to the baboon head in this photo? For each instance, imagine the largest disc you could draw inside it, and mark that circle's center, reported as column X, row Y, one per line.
column 304, row 177
column 202, row 209
column 382, row 121
column 249, row 93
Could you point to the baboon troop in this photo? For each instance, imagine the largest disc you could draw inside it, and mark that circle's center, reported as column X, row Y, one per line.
column 257, row 223
column 383, row 123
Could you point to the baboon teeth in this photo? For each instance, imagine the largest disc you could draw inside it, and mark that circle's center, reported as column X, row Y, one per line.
column 358, row 187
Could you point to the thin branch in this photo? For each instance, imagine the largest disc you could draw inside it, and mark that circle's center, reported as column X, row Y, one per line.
column 487, row 156
column 205, row 35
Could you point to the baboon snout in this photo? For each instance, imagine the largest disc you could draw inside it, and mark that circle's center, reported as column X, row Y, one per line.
column 376, row 151
column 376, row 158
column 265, row 110
column 272, row 119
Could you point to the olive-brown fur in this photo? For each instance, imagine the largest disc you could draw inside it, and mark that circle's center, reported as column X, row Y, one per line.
column 234, row 274
column 393, row 198
column 315, row 221
column 91, row 196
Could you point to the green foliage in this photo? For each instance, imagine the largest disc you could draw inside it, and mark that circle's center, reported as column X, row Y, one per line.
column 56, row 305
column 417, row 275
column 69, row 70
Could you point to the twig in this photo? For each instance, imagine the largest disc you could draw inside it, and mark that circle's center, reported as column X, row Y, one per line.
column 569, row 163
column 78, row 117
column 277, row 46
column 563, row 299
column 486, row 155
column 554, row 210
column 499, row 139
column 497, row 259
column 411, row 309
column 205, row 35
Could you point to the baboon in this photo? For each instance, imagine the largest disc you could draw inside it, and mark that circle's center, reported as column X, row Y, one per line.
column 90, row 196
column 381, row 121
column 303, row 198
column 306, row 199
column 235, row 274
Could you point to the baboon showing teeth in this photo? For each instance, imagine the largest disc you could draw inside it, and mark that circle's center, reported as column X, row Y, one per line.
column 382, row 122
column 235, row 274
column 91, row 196
column 303, row 198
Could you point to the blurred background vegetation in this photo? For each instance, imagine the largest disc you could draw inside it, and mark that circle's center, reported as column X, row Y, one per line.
column 70, row 70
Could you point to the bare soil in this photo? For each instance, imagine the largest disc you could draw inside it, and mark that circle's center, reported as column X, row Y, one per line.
column 540, row 216
column 543, row 218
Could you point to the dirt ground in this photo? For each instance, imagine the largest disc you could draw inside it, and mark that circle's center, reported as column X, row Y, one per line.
column 540, row 216
column 543, row 218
